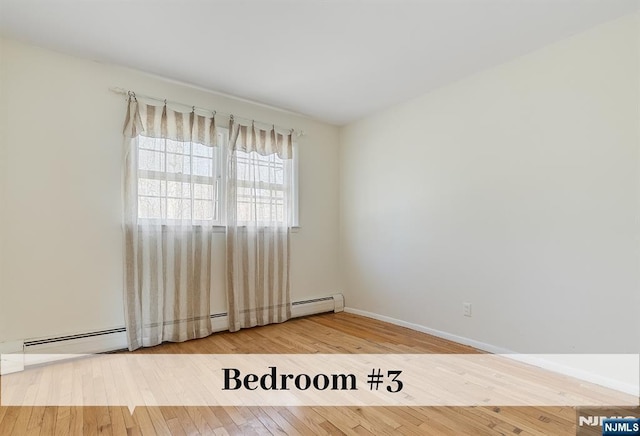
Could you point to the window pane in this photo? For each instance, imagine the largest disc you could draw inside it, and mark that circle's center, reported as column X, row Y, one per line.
column 178, row 163
column 150, row 160
column 201, row 191
column 202, row 166
column 178, row 189
column 242, row 171
column 151, row 143
column 243, row 192
column 149, row 207
column 149, row 187
column 244, row 210
column 202, row 150
column 178, row 147
column 263, row 194
column 202, row 210
column 178, row 209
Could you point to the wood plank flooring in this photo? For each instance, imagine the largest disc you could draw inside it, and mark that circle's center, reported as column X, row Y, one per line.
column 327, row 333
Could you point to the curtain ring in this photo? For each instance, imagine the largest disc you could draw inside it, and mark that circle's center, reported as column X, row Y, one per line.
column 165, row 101
column 193, row 109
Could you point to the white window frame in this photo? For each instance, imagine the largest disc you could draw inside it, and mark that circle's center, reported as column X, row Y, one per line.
column 217, row 179
column 295, row 201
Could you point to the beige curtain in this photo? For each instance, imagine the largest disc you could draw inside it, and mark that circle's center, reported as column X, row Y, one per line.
column 259, row 216
column 169, row 205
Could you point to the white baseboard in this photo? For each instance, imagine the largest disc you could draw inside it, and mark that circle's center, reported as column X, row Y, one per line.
column 45, row 350
column 313, row 306
column 220, row 323
column 11, row 363
column 61, row 349
column 11, row 359
column 438, row 333
column 530, row 359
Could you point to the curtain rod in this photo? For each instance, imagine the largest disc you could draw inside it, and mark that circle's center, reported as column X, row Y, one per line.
column 128, row 93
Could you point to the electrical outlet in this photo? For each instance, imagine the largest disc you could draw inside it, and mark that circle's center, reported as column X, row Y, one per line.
column 466, row 309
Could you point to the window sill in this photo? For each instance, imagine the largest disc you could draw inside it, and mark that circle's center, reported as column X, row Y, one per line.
column 222, row 229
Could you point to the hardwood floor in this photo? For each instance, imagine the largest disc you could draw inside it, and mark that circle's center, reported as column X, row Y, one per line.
column 327, row 333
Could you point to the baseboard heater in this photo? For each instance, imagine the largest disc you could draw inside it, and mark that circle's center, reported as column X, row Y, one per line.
column 44, row 350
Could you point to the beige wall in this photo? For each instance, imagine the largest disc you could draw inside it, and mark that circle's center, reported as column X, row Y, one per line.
column 515, row 189
column 60, row 251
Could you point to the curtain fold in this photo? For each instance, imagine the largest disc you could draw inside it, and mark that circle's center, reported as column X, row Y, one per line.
column 258, row 225
column 169, row 201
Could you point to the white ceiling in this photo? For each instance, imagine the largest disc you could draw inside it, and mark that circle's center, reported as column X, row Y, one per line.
column 336, row 61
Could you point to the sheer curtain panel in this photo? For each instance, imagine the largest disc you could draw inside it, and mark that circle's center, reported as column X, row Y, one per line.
column 171, row 192
column 259, row 216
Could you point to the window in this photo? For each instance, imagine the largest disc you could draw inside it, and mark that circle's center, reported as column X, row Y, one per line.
column 178, row 181
column 184, row 180
column 260, row 195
